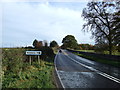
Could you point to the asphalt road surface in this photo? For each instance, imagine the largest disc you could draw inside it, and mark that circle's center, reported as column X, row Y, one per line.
column 77, row 72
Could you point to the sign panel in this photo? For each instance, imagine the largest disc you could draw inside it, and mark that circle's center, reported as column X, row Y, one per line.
column 33, row 52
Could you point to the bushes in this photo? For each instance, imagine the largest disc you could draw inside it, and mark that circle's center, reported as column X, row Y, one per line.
column 47, row 52
column 20, row 74
column 13, row 59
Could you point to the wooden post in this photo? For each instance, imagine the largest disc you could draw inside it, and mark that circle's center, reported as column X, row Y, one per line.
column 30, row 59
column 38, row 59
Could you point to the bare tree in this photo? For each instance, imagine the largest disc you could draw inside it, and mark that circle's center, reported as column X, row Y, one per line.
column 99, row 18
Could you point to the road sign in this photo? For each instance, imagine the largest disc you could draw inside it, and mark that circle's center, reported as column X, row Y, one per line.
column 33, row 52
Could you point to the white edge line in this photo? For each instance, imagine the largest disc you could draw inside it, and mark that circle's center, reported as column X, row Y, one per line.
column 99, row 72
column 57, row 71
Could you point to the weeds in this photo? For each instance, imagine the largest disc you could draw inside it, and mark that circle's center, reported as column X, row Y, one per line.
column 17, row 73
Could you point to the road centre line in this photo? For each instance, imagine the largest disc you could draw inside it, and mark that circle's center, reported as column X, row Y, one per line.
column 97, row 71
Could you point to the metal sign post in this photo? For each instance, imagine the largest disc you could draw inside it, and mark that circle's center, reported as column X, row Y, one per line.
column 31, row 53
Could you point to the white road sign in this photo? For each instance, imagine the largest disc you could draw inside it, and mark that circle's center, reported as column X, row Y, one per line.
column 33, row 52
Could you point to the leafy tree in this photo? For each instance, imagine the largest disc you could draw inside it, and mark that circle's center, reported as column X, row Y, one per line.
column 35, row 43
column 101, row 47
column 69, row 42
column 53, row 44
column 45, row 43
column 86, row 47
column 40, row 44
column 100, row 17
column 47, row 52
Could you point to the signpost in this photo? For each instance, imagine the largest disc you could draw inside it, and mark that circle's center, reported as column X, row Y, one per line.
column 33, row 52
column 30, row 53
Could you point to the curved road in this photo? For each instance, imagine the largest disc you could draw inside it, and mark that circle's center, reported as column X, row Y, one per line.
column 77, row 72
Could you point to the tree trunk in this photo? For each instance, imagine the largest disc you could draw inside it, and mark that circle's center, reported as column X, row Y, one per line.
column 110, row 48
column 110, row 51
column 110, row 42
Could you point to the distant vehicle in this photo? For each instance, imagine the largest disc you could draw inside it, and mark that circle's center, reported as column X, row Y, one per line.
column 60, row 51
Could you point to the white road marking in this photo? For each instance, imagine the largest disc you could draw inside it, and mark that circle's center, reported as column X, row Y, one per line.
column 64, row 53
column 97, row 71
column 57, row 72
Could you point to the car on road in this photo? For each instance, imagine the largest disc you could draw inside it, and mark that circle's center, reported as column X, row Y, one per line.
column 60, row 51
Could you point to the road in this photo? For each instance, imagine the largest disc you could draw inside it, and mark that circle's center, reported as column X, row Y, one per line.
column 77, row 72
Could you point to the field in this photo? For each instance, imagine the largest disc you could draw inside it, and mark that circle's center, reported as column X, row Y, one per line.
column 17, row 72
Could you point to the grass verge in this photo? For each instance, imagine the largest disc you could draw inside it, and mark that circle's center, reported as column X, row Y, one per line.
column 33, row 76
column 105, row 52
column 17, row 72
column 101, row 60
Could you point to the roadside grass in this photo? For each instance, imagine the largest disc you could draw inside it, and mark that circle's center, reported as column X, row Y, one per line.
column 55, row 49
column 114, row 53
column 101, row 60
column 26, row 75
column 34, row 76
column 86, row 50
column 105, row 52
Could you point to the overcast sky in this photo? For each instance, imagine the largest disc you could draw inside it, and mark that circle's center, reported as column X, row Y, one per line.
column 22, row 22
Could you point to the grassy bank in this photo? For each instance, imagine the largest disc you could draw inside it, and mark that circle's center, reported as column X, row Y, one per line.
column 105, row 52
column 19, row 73
column 101, row 60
